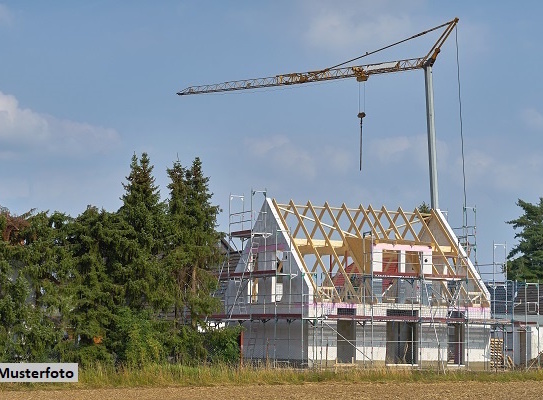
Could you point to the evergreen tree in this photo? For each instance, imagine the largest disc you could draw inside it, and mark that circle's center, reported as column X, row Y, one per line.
column 34, row 267
column 95, row 244
column 105, row 250
column 424, row 208
column 193, row 240
column 176, row 258
column 47, row 259
column 178, row 192
column 529, row 251
column 14, row 291
column 89, row 289
column 139, row 267
column 142, row 207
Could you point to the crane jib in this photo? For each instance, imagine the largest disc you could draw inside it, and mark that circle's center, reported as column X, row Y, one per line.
column 360, row 72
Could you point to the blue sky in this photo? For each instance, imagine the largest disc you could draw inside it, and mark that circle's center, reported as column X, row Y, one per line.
column 84, row 85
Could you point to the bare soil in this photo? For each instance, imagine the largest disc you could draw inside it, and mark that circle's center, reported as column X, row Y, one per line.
column 326, row 390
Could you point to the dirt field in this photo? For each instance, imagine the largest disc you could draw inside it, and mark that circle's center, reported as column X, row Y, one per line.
column 383, row 391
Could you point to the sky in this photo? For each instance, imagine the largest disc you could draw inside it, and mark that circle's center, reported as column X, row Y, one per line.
column 85, row 85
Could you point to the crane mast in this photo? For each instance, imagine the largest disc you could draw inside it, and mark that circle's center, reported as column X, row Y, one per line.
column 361, row 73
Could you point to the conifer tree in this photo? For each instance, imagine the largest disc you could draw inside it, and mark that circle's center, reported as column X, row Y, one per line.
column 142, row 207
column 34, row 267
column 95, row 242
column 176, row 258
column 139, row 268
column 194, row 240
column 529, row 251
column 88, row 289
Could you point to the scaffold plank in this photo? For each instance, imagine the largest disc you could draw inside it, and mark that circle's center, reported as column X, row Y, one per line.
column 255, row 316
column 251, row 274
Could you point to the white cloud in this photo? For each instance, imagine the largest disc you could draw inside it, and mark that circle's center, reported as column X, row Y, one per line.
column 333, row 30
column 361, row 25
column 407, row 149
column 306, row 162
column 7, row 155
column 475, row 41
column 389, row 149
column 279, row 152
column 337, row 159
column 355, row 27
column 478, row 162
column 506, row 174
column 23, row 130
column 532, row 118
column 5, row 16
column 262, row 146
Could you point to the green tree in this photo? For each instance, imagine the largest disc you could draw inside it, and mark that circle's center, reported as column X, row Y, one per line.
column 203, row 240
column 139, row 265
column 528, row 263
column 95, row 244
column 14, row 292
column 176, row 257
column 193, row 241
column 424, row 208
column 142, row 207
column 34, row 268
column 106, row 318
column 89, row 289
column 47, row 260
column 134, row 339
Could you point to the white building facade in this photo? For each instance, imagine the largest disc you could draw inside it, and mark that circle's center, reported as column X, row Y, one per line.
column 323, row 285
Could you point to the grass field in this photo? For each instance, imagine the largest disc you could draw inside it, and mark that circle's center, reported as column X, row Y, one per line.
column 323, row 390
column 220, row 383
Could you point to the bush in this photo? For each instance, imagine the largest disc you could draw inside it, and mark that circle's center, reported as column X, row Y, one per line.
column 86, row 355
column 222, row 345
column 189, row 346
column 133, row 339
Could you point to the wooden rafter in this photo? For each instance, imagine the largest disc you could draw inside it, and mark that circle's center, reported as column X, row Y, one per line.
column 309, row 237
column 392, row 223
column 282, row 217
column 348, row 285
column 338, row 232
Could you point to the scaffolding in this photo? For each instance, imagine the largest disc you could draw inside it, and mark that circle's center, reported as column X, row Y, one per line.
column 334, row 286
column 518, row 344
column 468, row 233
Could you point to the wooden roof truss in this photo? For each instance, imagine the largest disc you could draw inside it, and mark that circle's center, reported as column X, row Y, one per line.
column 334, row 244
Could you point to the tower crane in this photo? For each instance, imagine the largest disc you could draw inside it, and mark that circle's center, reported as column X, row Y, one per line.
column 361, row 73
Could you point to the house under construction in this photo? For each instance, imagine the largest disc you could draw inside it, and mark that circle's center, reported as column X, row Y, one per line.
column 321, row 285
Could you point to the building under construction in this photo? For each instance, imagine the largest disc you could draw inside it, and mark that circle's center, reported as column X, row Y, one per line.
column 315, row 285
column 323, row 285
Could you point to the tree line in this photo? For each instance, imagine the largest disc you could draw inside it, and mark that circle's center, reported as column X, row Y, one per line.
column 128, row 287
column 135, row 286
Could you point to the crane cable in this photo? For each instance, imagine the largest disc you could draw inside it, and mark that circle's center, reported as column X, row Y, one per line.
column 460, row 117
column 361, row 115
column 389, row 46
